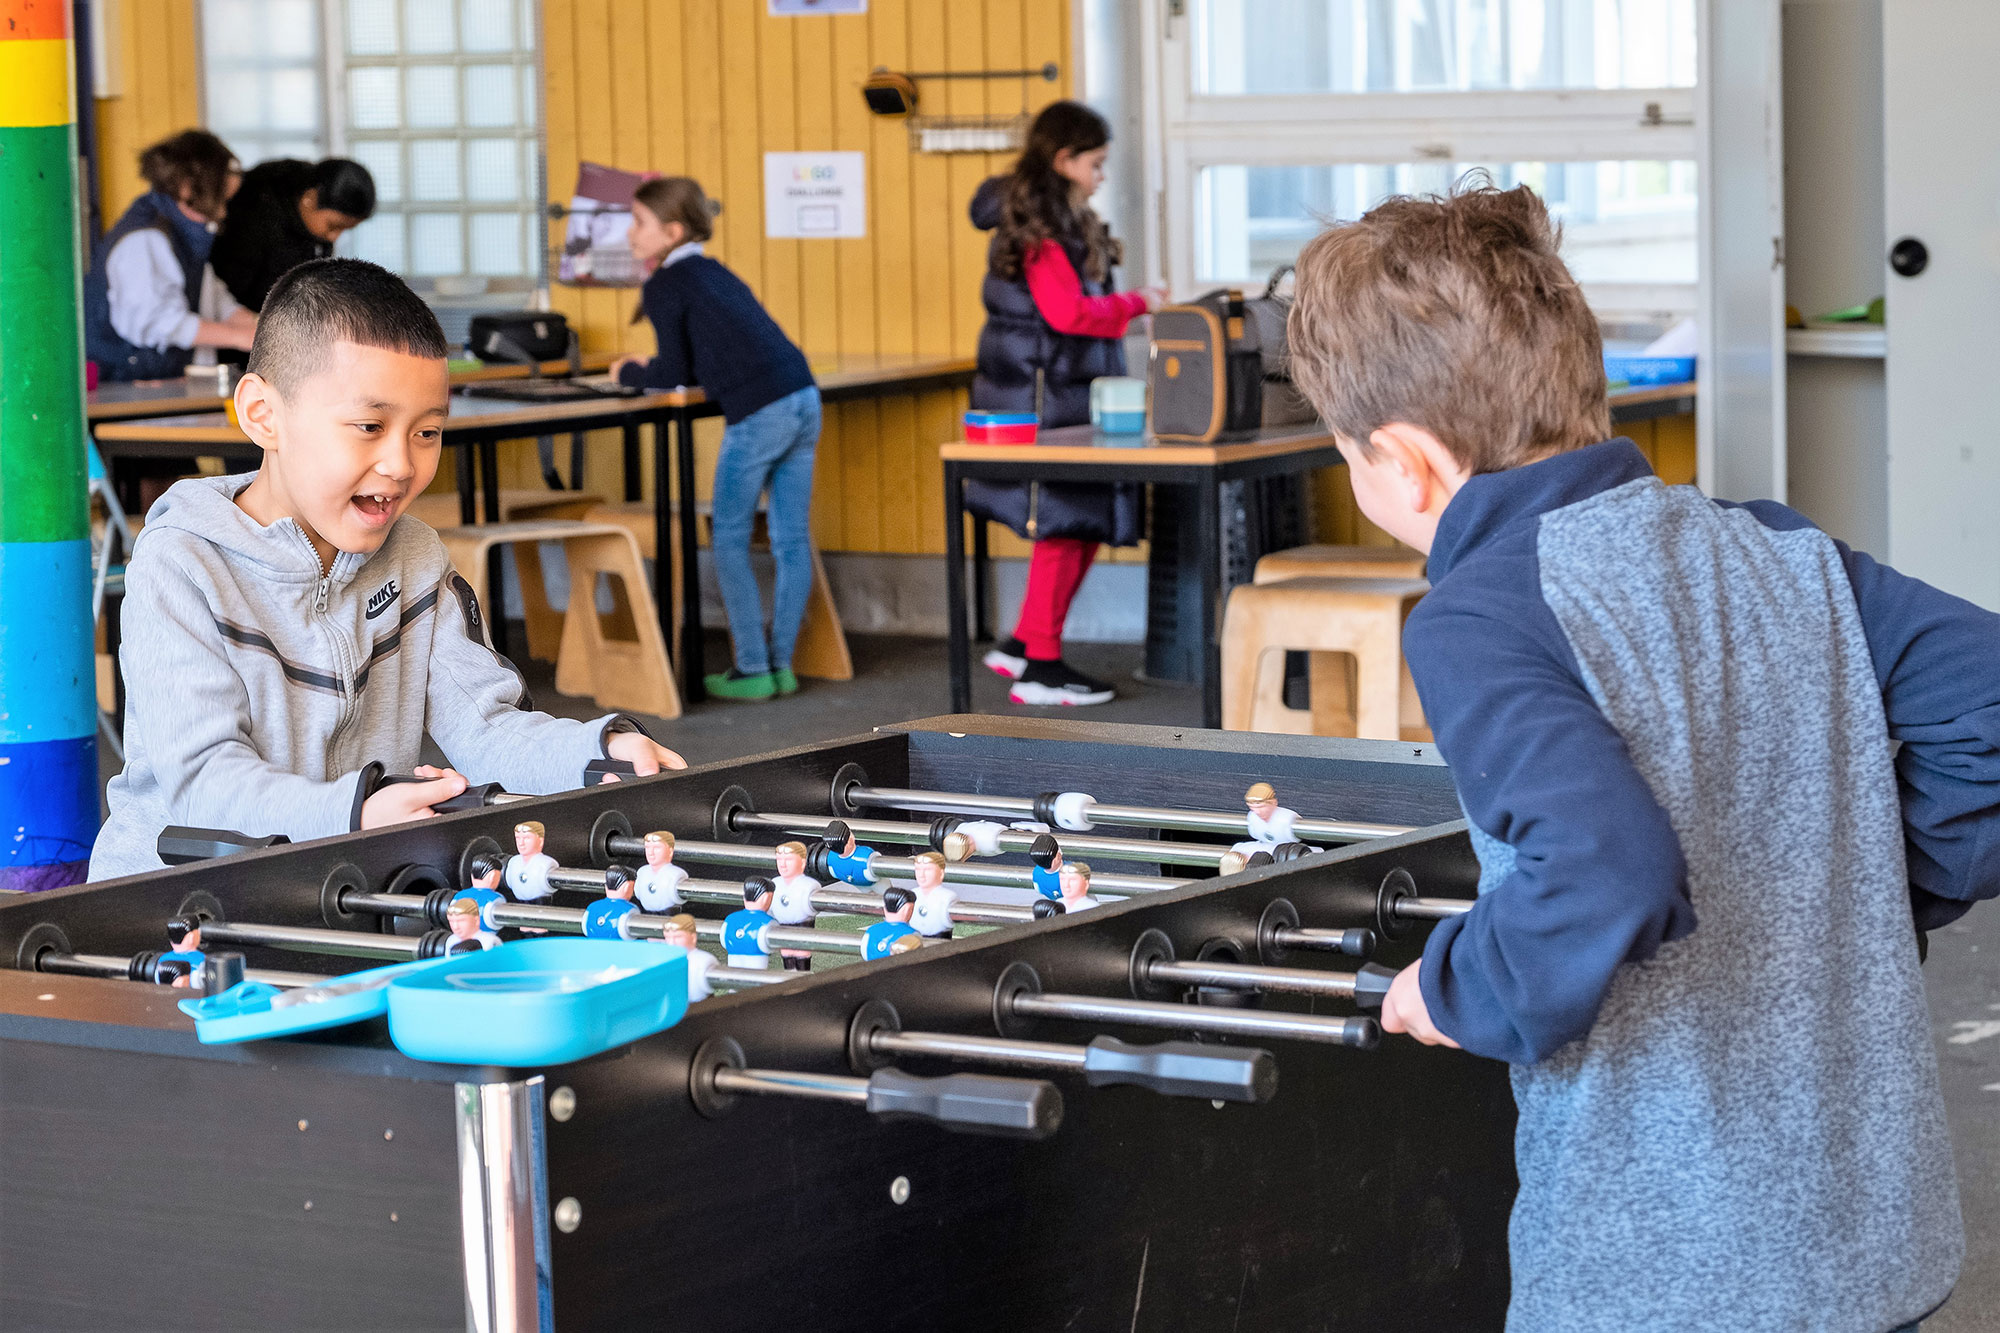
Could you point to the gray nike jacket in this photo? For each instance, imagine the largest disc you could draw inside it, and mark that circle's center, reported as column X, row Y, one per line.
column 258, row 687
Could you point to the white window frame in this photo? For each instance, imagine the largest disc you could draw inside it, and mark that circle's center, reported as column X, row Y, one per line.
column 1186, row 131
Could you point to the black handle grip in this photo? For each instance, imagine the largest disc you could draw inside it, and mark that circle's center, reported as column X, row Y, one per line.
column 1358, row 943
column 1183, row 1069
column 474, row 797
column 179, row 845
column 1015, row 1108
column 594, row 771
column 1371, row 983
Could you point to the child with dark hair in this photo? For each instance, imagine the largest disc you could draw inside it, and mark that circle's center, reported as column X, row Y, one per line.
column 710, row 331
column 1054, row 323
column 150, row 299
column 290, row 635
column 287, row 212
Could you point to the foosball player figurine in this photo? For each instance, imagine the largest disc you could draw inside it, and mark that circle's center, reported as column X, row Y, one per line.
column 487, row 869
column 461, row 917
column 793, row 903
column 679, row 931
column 1270, row 824
column 182, row 965
column 1076, row 888
column 658, row 885
column 880, row 939
column 609, row 917
column 528, row 869
column 932, row 916
column 1047, row 855
column 743, row 932
column 846, row 860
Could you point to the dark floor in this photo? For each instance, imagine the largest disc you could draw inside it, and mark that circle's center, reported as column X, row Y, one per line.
column 897, row 680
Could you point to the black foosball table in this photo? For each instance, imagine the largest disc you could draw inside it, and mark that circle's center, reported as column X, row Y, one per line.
column 1172, row 1111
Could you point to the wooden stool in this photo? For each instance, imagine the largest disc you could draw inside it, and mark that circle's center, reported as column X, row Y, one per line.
column 544, row 622
column 1340, row 562
column 620, row 660
column 821, row 651
column 1359, row 617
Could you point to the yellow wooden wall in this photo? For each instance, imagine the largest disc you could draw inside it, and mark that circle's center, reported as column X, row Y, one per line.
column 160, row 92
column 706, row 87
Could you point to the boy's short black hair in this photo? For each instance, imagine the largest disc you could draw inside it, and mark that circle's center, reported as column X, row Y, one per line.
column 345, row 187
column 324, row 301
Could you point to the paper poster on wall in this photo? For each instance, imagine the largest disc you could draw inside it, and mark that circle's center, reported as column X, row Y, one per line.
column 779, row 7
column 815, row 196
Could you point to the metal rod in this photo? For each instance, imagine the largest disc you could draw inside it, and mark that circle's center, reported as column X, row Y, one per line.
column 860, row 902
column 1121, row 816
column 503, row 1206
column 1009, row 840
column 407, row 905
column 1198, row 1018
column 311, row 939
column 747, row 978
column 1239, row 976
column 1017, row 1053
column 118, row 969
column 646, row 926
column 785, row 1083
column 1431, row 909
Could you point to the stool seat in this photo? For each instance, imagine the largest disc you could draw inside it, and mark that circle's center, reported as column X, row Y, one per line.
column 1332, row 619
column 1359, row 562
column 440, row 508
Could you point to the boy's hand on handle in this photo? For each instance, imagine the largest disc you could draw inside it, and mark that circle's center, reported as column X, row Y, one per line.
column 402, row 802
column 1404, row 1010
column 646, row 755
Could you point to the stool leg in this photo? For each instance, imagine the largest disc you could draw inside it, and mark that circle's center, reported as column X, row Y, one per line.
column 1380, row 657
column 1242, row 650
column 1268, row 710
column 1330, row 693
column 544, row 624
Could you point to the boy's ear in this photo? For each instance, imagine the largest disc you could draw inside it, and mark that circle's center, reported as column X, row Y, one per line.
column 257, row 404
column 1421, row 462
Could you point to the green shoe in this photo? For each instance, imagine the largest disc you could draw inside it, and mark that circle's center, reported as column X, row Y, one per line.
column 732, row 684
column 784, row 681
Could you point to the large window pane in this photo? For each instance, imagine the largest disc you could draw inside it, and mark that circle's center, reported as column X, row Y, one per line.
column 380, row 241
column 427, row 26
column 433, row 96
column 434, row 174
column 489, row 96
column 488, row 25
column 491, row 170
column 496, row 244
column 384, row 160
column 437, row 245
column 1379, row 46
column 1623, row 222
column 373, row 99
column 371, row 27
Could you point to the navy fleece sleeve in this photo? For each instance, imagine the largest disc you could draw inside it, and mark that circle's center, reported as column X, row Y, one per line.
column 1937, row 658
column 1598, row 878
column 671, row 366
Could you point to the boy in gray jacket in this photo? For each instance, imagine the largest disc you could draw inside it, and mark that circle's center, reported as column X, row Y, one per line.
column 290, row 636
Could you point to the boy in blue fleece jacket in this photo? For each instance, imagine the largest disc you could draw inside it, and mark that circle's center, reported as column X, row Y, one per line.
column 1674, row 727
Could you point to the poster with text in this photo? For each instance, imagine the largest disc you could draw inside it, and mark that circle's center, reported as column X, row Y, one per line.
column 815, row 196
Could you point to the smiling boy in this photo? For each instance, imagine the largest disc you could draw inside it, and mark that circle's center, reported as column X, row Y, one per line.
column 290, row 637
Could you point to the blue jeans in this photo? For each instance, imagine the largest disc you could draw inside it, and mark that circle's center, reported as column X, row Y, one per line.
column 772, row 449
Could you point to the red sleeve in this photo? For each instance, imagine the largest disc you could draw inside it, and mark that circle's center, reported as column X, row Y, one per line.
column 1052, row 281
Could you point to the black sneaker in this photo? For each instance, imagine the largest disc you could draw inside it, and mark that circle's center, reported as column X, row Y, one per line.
column 1044, row 683
column 1008, row 658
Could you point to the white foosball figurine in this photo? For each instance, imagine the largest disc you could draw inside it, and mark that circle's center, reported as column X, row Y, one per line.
column 934, row 901
column 467, row 936
column 658, row 885
column 1076, row 888
column 679, row 930
column 1270, row 823
column 792, row 905
column 528, row 869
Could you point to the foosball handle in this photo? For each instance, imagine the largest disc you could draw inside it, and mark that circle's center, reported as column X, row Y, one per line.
column 1371, row 983
column 476, row 796
column 596, row 770
column 1019, row 1108
column 1183, row 1069
column 178, row 845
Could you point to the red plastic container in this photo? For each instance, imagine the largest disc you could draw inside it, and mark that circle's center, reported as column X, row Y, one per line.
column 1000, row 427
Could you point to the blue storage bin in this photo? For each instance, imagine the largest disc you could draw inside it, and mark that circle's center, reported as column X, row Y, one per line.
column 538, row 1002
column 1645, row 370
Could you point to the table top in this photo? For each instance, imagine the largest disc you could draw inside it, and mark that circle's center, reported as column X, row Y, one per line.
column 1083, row 444
column 466, row 413
column 1652, row 393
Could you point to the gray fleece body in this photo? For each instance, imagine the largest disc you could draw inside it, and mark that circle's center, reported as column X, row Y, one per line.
column 1751, row 1136
column 258, row 686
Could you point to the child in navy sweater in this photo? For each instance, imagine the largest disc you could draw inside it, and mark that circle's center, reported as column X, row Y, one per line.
column 712, row 333
column 1720, row 771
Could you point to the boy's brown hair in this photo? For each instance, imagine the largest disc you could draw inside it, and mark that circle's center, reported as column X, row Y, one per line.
column 194, row 167
column 1454, row 313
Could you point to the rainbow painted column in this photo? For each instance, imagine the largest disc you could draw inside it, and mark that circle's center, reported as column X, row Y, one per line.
column 48, row 709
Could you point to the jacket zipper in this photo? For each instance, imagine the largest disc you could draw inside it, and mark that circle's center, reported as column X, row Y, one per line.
column 322, row 593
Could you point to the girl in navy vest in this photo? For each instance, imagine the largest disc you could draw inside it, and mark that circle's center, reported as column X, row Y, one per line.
column 150, row 299
column 1053, row 324
column 712, row 332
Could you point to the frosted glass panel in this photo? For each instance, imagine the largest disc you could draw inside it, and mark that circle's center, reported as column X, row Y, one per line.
column 384, row 161
column 530, row 97
column 434, row 170
column 235, row 104
column 372, row 101
column 380, row 241
column 230, row 31
column 427, row 26
column 491, row 170
column 489, row 96
column 496, row 244
column 371, row 27
column 488, row 25
column 437, row 245
column 290, row 30
column 433, row 94
column 294, row 101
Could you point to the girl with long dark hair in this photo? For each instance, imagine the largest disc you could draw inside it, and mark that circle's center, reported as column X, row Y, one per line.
column 1053, row 324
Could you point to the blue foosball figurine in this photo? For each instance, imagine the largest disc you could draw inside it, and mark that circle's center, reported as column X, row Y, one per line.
column 1047, row 855
column 486, row 868
column 744, row 932
column 846, row 860
column 182, row 965
column 879, row 940
column 607, row 918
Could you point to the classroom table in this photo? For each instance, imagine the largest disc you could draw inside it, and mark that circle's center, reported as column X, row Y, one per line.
column 133, row 400
column 1078, row 453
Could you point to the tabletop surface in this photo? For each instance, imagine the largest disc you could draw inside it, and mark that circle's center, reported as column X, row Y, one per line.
column 215, row 428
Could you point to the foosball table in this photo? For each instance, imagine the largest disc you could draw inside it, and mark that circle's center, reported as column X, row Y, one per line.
column 1172, row 1110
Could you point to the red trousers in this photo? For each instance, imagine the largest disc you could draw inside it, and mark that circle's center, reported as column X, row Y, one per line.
column 1055, row 572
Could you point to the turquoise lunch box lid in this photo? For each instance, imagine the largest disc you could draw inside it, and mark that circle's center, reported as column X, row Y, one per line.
column 253, row 1011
